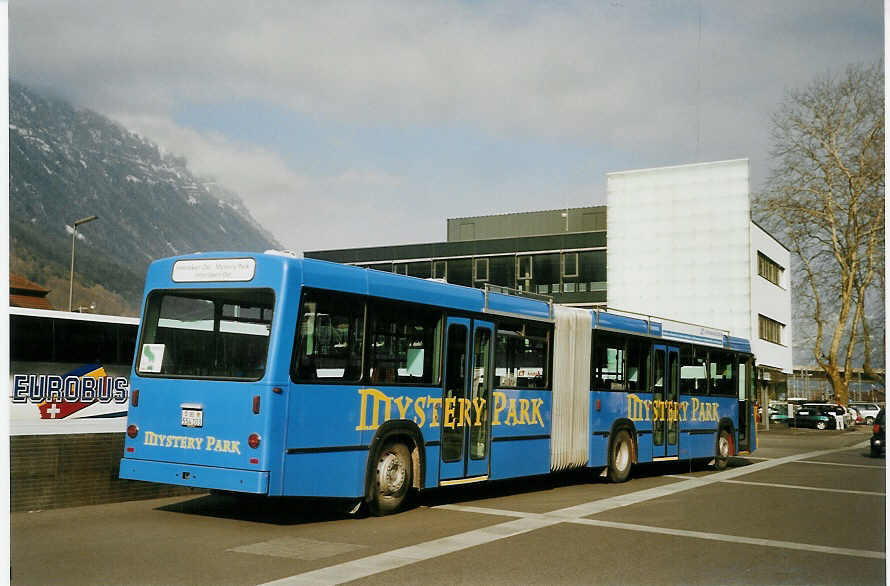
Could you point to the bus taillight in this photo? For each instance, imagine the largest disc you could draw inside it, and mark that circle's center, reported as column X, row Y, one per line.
column 256, row 405
column 132, row 431
column 134, row 398
column 254, row 440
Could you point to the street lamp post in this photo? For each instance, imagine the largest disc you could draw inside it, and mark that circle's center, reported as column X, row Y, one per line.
column 73, row 240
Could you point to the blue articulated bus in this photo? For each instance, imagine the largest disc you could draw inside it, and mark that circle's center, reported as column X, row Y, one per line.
column 280, row 376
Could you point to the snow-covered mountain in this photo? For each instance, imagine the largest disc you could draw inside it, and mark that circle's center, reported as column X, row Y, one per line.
column 67, row 163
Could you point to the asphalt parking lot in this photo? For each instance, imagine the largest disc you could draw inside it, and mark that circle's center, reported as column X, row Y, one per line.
column 808, row 507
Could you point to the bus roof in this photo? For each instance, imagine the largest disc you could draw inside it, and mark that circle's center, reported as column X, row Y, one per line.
column 374, row 283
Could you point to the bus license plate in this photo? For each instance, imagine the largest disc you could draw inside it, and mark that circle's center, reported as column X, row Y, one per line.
column 192, row 418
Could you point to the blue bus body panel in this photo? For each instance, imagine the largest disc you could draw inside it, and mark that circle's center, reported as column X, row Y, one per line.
column 740, row 344
column 699, row 419
column 620, row 322
column 197, row 476
column 520, row 433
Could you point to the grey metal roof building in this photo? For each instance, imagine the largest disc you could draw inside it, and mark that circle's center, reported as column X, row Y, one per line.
column 558, row 253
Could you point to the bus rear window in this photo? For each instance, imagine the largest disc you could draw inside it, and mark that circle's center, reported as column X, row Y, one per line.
column 218, row 334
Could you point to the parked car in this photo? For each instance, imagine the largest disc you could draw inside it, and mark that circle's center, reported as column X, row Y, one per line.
column 877, row 437
column 855, row 415
column 778, row 413
column 868, row 411
column 820, row 416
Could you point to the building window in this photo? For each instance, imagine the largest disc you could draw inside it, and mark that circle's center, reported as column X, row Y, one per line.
column 440, row 270
column 523, row 273
column 592, row 271
column 501, row 270
column 419, row 269
column 570, row 264
column 771, row 330
column 480, row 270
column 545, row 268
column 460, row 271
column 400, row 268
column 769, row 269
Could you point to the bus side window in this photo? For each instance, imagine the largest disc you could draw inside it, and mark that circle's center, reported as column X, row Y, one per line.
column 637, row 365
column 693, row 375
column 608, row 362
column 329, row 337
column 522, row 354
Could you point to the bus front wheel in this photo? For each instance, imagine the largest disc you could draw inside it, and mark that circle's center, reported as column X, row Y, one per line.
column 724, row 449
column 620, row 456
column 392, row 479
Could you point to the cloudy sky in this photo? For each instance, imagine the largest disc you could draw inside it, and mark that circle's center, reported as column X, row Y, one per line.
column 347, row 124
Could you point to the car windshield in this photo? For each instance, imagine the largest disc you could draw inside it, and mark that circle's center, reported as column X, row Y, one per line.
column 219, row 333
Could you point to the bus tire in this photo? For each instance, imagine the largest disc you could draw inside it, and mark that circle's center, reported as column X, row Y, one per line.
column 392, row 479
column 724, row 449
column 620, row 456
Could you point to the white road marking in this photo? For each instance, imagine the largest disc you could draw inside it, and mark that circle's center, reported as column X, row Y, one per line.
column 846, row 465
column 771, row 543
column 791, row 486
column 526, row 522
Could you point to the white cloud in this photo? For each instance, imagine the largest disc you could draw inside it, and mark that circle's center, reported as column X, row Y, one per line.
column 628, row 77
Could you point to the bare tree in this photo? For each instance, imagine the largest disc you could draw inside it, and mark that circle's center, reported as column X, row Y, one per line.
column 825, row 196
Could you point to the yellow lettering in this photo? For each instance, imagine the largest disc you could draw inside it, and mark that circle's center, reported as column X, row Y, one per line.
column 378, row 397
column 695, row 403
column 648, row 404
column 500, row 403
column 536, row 411
column 637, row 408
column 235, row 449
column 419, row 415
column 434, row 402
column 465, row 413
column 448, row 418
column 683, row 407
column 403, row 409
column 511, row 414
column 479, row 405
column 210, row 441
column 198, row 442
column 524, row 405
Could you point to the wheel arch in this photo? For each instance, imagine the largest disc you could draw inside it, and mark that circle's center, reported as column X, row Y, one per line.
column 726, row 423
column 410, row 434
column 619, row 424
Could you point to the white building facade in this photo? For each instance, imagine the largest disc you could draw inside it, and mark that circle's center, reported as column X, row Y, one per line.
column 681, row 245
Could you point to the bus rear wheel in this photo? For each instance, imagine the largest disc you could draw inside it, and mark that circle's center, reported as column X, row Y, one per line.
column 724, row 449
column 392, row 479
column 620, row 456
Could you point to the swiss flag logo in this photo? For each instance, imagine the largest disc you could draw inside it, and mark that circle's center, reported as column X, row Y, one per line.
column 62, row 409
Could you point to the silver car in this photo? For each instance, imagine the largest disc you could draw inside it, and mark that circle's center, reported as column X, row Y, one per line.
column 868, row 411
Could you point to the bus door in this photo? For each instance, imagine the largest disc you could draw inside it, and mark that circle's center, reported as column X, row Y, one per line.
column 746, row 392
column 665, row 398
column 465, row 417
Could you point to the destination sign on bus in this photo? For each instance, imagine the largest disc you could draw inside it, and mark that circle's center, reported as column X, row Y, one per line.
column 208, row 270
